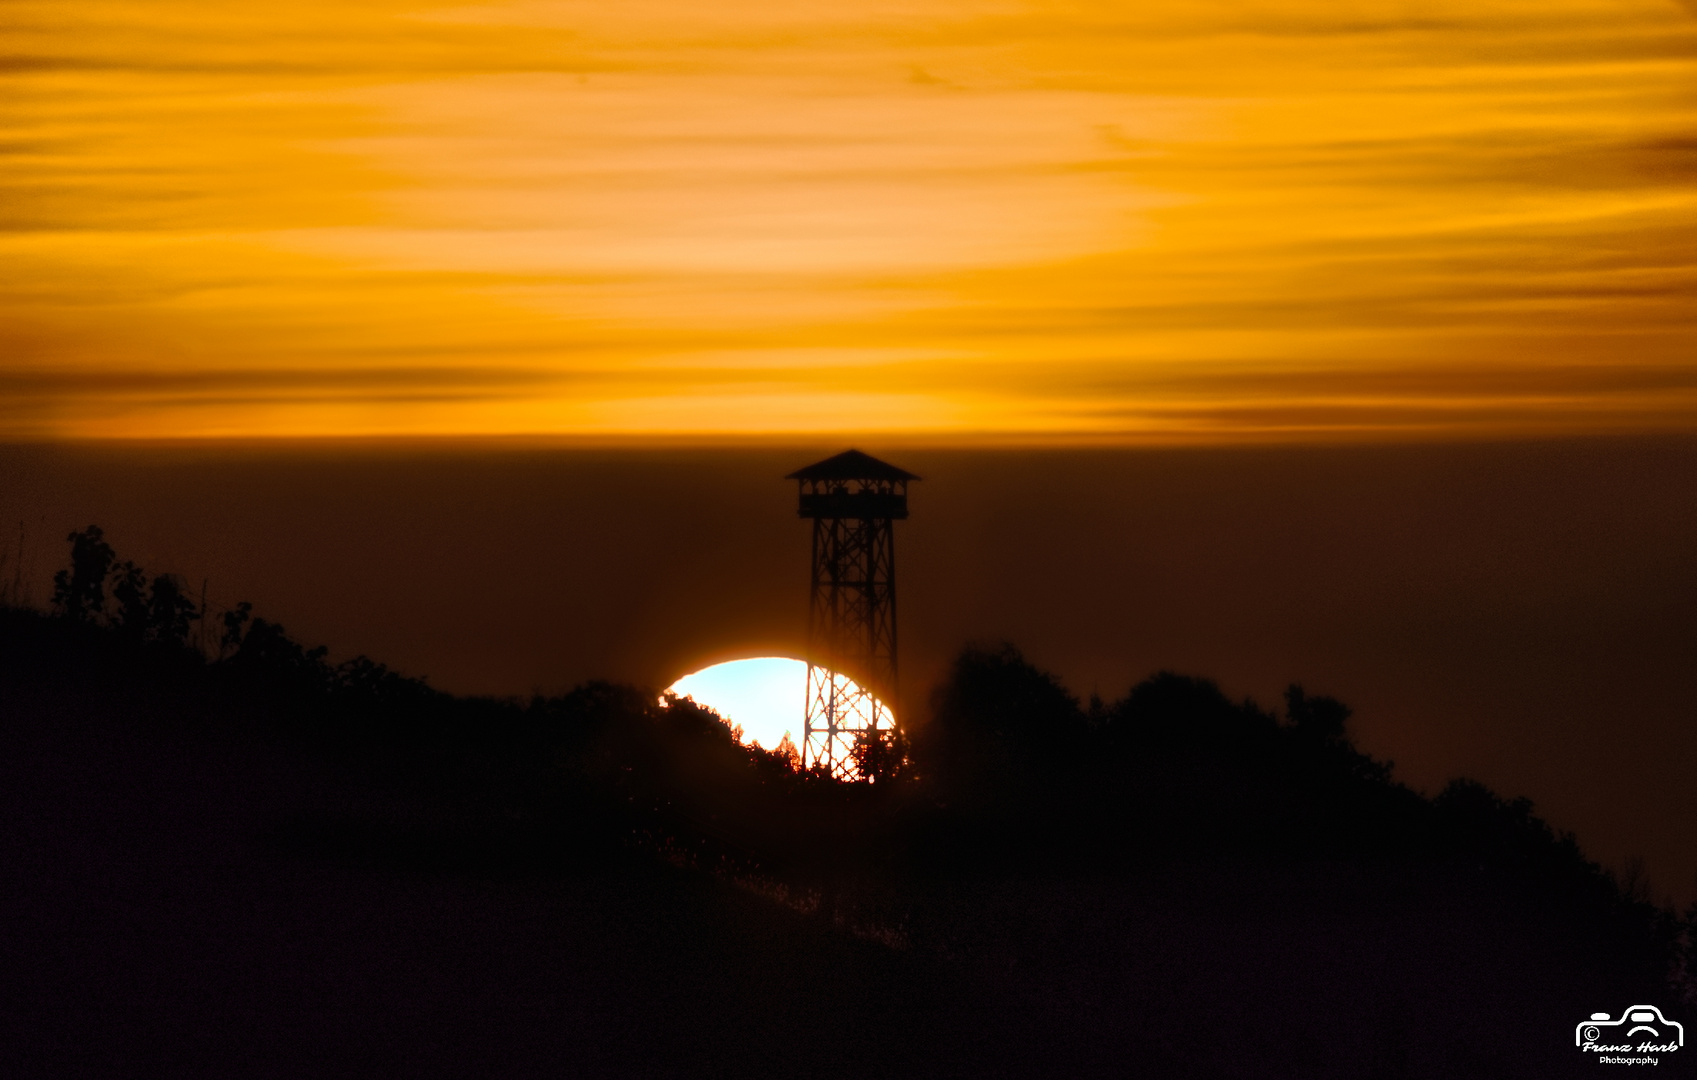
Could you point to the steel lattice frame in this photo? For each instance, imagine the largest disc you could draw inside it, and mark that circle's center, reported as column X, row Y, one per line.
column 851, row 626
column 852, row 639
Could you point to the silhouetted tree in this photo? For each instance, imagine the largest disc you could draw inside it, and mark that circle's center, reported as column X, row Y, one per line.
column 881, row 755
column 80, row 592
column 1169, row 712
column 235, row 625
column 169, row 611
column 786, row 752
column 1478, row 822
column 129, row 589
column 160, row 612
column 1001, row 730
column 267, row 651
column 1319, row 719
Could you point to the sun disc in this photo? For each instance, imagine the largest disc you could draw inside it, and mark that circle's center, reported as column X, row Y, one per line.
column 763, row 695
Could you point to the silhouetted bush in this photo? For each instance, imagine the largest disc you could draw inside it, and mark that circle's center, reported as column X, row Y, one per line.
column 1001, row 732
column 884, row 755
column 1170, row 713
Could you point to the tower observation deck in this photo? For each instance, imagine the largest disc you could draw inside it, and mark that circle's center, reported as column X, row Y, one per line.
column 853, row 499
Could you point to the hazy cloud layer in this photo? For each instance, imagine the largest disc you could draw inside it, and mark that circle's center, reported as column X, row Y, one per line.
column 1198, row 220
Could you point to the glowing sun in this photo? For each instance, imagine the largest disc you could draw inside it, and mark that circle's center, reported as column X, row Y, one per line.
column 763, row 695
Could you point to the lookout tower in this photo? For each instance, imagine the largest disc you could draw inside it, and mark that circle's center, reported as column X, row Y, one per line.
column 851, row 618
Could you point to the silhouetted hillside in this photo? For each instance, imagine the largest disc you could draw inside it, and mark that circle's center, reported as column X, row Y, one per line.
column 253, row 861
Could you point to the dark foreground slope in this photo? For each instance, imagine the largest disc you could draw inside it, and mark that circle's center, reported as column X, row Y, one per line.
column 191, row 893
column 221, row 870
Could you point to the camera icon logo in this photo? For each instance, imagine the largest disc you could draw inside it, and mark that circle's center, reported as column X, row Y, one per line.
column 1640, row 1021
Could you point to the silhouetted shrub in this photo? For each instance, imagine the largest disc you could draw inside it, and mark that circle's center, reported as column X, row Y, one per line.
column 1000, row 730
column 1167, row 713
column 882, row 756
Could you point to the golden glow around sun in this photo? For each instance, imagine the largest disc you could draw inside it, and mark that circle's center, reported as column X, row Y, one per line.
column 1200, row 220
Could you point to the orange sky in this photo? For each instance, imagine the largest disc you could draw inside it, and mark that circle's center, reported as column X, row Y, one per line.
column 1212, row 220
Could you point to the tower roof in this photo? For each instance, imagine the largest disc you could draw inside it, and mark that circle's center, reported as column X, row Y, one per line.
column 851, row 465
